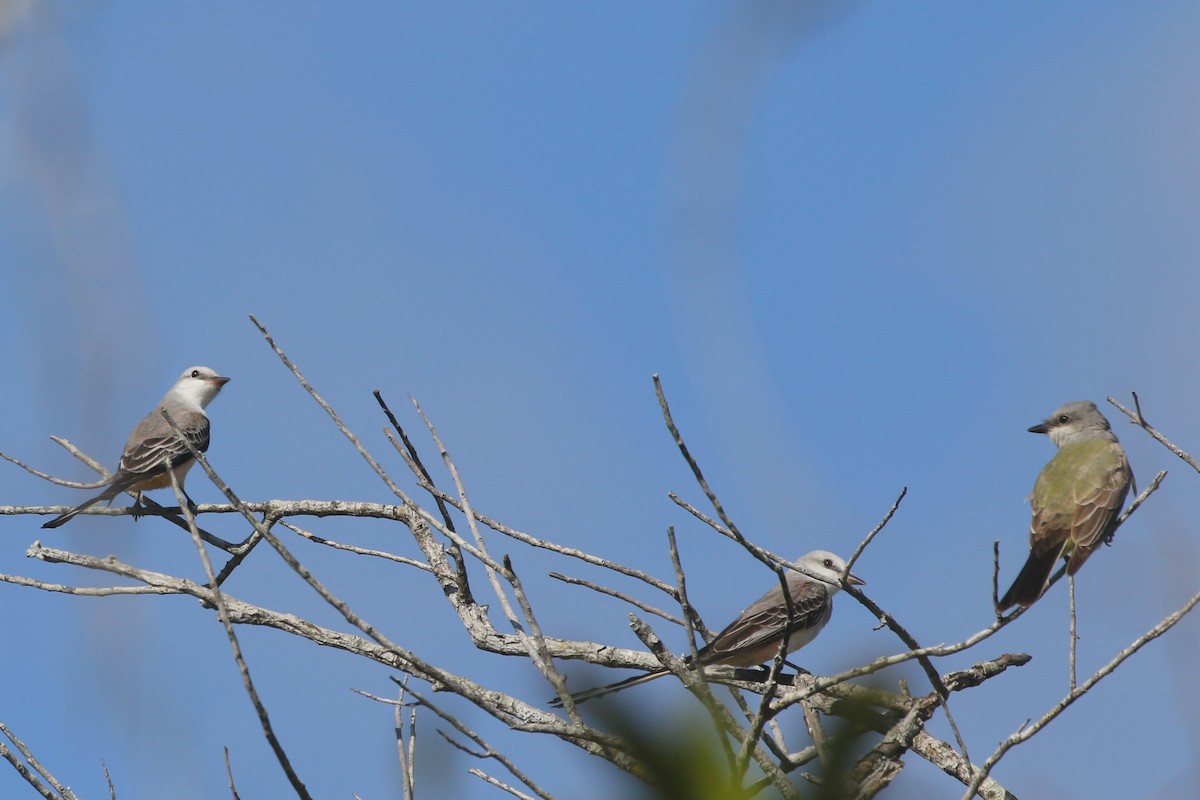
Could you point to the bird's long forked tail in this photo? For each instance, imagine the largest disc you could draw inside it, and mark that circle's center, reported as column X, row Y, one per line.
column 600, row 691
column 108, row 494
column 1030, row 581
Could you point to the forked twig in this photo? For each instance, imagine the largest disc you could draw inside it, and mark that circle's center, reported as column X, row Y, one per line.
column 1138, row 418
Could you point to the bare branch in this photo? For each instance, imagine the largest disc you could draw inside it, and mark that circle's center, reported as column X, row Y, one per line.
column 63, row 793
column 571, row 552
column 486, row 750
column 1028, row 731
column 333, row 415
column 84, row 591
column 229, row 775
column 478, row 773
column 62, row 481
column 539, row 653
column 772, row 683
column 272, row 508
column 349, row 548
column 1137, row 418
column 858, row 551
column 223, row 616
column 405, row 751
column 1072, row 634
column 412, row 458
column 633, row 601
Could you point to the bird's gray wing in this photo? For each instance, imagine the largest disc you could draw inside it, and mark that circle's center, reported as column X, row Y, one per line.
column 153, row 447
column 765, row 621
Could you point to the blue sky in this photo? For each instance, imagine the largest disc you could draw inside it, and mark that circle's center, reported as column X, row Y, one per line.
column 866, row 245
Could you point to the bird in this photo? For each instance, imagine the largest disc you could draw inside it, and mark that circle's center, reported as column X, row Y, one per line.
column 754, row 636
column 1076, row 499
column 154, row 450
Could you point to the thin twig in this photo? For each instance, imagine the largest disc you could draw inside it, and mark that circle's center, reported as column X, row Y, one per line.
column 218, row 600
column 233, row 793
column 1138, row 418
column 243, row 551
column 691, row 618
column 333, row 415
column 487, row 751
column 534, row 642
column 1027, row 731
column 694, row 624
column 411, row 456
column 406, row 752
column 60, row 481
column 772, row 684
column 349, row 548
column 478, row 773
column 996, row 579
column 1142, row 497
column 736, row 534
column 1072, row 634
column 539, row 653
column 454, row 551
column 690, row 630
column 553, row 547
column 633, row 601
column 858, row 551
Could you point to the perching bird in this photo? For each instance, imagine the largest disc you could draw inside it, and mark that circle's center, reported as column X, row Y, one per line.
column 1076, row 499
column 153, row 450
column 755, row 635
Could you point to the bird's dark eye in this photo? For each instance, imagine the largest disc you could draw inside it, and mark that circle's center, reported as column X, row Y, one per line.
column 828, row 563
column 195, row 373
column 1064, row 419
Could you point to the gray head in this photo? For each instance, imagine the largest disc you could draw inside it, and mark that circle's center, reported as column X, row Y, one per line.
column 826, row 567
column 1075, row 422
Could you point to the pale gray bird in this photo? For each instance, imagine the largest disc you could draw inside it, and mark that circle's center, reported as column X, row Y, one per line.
column 153, row 450
column 1076, row 500
column 755, row 635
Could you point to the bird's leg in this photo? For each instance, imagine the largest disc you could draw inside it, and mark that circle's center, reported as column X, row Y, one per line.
column 138, row 509
column 799, row 669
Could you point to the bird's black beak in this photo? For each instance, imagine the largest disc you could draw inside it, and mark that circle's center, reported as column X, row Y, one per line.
column 1041, row 427
column 854, row 580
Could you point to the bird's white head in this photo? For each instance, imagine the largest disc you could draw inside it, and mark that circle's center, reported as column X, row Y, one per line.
column 1073, row 422
column 197, row 386
column 828, row 568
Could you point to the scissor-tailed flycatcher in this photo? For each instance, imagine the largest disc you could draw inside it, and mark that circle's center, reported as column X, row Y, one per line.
column 1076, row 499
column 755, row 635
column 154, row 450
